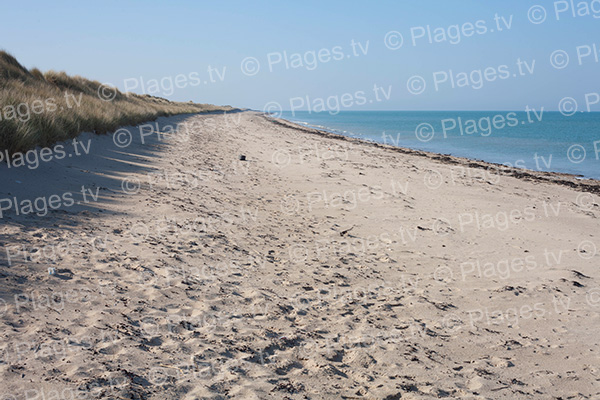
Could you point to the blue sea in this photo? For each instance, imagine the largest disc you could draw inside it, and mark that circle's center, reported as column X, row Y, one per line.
column 535, row 140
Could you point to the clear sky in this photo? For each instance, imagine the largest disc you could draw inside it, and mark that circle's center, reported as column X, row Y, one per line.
column 130, row 43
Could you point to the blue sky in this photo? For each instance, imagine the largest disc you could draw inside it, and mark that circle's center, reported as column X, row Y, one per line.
column 129, row 42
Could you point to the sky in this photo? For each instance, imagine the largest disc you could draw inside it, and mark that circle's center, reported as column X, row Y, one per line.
column 377, row 55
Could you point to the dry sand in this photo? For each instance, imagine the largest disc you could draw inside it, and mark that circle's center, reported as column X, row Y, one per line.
column 319, row 268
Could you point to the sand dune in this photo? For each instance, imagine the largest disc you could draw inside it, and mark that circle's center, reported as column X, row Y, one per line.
column 318, row 268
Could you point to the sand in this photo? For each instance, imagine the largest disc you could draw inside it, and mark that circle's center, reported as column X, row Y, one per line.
column 318, row 268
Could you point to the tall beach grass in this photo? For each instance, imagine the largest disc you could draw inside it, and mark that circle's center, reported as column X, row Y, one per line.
column 40, row 109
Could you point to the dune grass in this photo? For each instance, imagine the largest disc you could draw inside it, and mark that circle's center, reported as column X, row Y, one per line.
column 40, row 109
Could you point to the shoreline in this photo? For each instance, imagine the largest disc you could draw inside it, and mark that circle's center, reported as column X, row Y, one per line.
column 313, row 269
column 577, row 182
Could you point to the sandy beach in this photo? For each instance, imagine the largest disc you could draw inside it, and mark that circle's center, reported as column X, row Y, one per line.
column 161, row 264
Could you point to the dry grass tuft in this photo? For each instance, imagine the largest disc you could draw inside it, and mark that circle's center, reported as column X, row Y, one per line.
column 40, row 109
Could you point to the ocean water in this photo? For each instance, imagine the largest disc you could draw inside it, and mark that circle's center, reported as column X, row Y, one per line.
column 540, row 141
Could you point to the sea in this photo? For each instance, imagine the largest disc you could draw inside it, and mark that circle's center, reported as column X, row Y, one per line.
column 532, row 139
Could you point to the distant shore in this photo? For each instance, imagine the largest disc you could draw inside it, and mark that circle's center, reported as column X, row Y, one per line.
column 571, row 180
